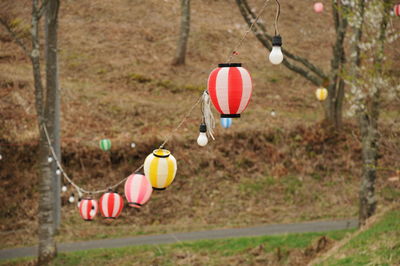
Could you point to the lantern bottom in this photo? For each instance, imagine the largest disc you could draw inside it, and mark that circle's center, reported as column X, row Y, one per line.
column 135, row 204
column 156, row 188
column 230, row 115
column 88, row 220
column 109, row 218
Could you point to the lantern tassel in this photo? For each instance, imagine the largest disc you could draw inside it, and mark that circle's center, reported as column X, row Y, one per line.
column 208, row 116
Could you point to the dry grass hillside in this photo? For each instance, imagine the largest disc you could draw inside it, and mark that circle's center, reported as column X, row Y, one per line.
column 117, row 82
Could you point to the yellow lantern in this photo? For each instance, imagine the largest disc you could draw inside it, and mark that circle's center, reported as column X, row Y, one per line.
column 321, row 94
column 160, row 168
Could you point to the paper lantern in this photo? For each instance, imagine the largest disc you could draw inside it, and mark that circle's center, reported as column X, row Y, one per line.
column 321, row 94
column 88, row 209
column 111, row 205
column 160, row 169
column 105, row 144
column 137, row 190
column 230, row 87
column 397, row 10
column 226, row 122
column 318, row 7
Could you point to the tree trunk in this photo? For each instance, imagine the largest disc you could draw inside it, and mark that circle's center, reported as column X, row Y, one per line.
column 369, row 135
column 368, row 121
column 334, row 103
column 184, row 33
column 53, row 99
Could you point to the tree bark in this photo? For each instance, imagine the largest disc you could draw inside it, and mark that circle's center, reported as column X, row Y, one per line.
column 334, row 102
column 368, row 122
column 180, row 55
column 53, row 99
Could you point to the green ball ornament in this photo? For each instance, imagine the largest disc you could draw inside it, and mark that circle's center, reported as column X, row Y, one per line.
column 105, row 144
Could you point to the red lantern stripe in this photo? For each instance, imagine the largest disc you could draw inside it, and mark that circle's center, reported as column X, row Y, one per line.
column 235, row 89
column 212, row 81
column 397, row 10
column 111, row 205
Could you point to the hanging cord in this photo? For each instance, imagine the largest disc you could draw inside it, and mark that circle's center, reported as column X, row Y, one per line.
column 181, row 123
column 278, row 13
column 208, row 117
column 79, row 189
column 237, row 47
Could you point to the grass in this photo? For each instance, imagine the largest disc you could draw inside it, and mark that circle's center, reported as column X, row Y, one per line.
column 211, row 252
column 379, row 245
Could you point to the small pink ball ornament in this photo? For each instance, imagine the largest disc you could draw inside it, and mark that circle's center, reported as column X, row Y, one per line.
column 318, row 7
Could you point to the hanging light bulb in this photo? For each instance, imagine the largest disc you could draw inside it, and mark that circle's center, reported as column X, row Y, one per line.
column 58, row 172
column 1, row 157
column 64, row 189
column 202, row 140
column 71, row 198
column 276, row 56
column 273, row 113
column 79, row 202
column 133, row 145
column 49, row 159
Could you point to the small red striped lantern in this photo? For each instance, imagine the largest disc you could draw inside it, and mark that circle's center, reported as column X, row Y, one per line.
column 111, row 205
column 397, row 10
column 230, row 87
column 88, row 209
column 137, row 190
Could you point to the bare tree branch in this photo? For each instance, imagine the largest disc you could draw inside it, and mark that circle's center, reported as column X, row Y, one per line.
column 14, row 36
column 42, row 8
column 261, row 32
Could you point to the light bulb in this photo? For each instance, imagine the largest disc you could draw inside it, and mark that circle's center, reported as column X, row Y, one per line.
column 273, row 113
column 71, row 199
column 276, row 56
column 202, row 140
column 50, row 159
column 79, row 202
column 133, row 145
column 64, row 188
column 58, row 172
column 1, row 157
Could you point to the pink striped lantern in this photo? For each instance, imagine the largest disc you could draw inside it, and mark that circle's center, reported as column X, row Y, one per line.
column 397, row 9
column 111, row 205
column 230, row 87
column 137, row 190
column 88, row 209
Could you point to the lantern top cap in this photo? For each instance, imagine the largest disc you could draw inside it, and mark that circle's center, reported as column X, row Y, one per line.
column 161, row 153
column 230, row 65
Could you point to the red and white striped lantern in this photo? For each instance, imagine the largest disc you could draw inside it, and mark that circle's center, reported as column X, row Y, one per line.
column 397, row 9
column 230, row 87
column 88, row 209
column 111, row 205
column 137, row 190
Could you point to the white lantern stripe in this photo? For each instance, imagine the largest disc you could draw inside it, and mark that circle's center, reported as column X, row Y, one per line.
column 247, row 89
column 104, row 205
column 223, row 91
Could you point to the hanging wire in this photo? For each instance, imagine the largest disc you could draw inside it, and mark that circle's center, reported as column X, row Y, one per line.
column 240, row 43
column 278, row 13
column 81, row 190
column 234, row 52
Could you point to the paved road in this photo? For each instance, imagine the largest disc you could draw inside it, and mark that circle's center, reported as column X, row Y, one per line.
column 272, row 229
